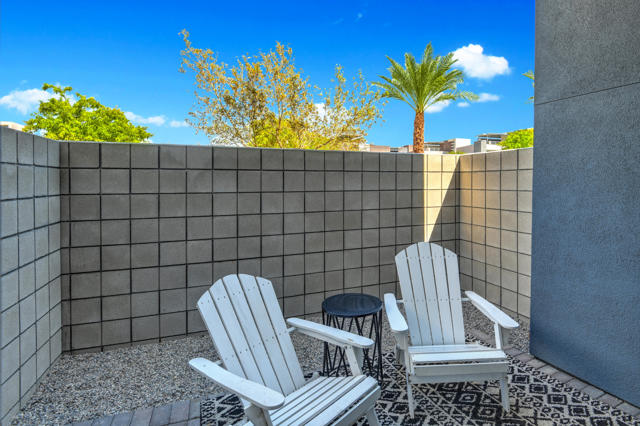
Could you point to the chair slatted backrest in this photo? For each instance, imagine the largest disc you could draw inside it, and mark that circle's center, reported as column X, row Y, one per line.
column 248, row 330
column 430, row 286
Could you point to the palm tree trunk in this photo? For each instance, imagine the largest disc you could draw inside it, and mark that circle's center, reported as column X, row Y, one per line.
column 418, row 133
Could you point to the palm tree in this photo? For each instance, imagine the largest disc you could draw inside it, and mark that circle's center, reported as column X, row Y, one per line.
column 422, row 85
column 532, row 77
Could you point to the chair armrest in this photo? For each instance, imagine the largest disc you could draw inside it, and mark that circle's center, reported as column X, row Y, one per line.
column 330, row 334
column 396, row 321
column 259, row 395
column 491, row 311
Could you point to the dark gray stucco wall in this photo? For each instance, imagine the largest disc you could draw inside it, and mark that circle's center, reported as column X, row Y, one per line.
column 585, row 312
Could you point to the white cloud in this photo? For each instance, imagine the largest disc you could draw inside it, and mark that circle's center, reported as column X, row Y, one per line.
column 359, row 16
column 177, row 123
column 476, row 64
column 25, row 101
column 487, row 97
column 156, row 120
column 463, row 104
column 437, row 107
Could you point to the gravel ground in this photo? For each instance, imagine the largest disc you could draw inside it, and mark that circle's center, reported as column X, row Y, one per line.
column 87, row 386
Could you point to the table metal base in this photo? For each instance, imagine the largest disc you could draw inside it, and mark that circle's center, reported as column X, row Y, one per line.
column 335, row 360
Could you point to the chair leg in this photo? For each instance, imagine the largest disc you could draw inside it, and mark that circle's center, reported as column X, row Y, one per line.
column 504, row 393
column 372, row 418
column 409, row 396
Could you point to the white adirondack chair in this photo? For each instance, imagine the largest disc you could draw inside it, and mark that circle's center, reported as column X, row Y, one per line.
column 248, row 330
column 432, row 346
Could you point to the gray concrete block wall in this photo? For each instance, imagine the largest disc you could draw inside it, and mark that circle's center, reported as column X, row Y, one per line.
column 147, row 228
column 30, row 275
column 495, row 227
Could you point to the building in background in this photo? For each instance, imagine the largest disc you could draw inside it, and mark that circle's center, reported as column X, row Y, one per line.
column 12, row 125
column 486, row 142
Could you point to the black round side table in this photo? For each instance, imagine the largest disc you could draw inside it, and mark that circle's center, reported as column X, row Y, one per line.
column 344, row 311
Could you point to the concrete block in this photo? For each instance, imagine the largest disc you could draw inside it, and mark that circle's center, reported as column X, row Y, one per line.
column 84, row 154
column 272, row 203
column 27, row 280
column 114, row 181
column 173, row 300
column 224, row 226
column 199, row 251
column 9, row 218
column 9, row 360
column 143, row 304
column 199, row 157
column 116, row 307
column 293, row 181
column 8, row 145
column 272, row 159
column 272, row 267
column 115, row 231
column 115, row 282
column 525, row 180
column 172, row 229
column 293, row 160
column 173, row 205
column 9, row 181
column 85, row 285
column 314, row 160
column 144, row 181
column 115, row 155
column 249, row 158
column 200, row 274
column 9, row 290
column 144, row 255
column 146, row 279
column 26, row 215
column 199, row 205
column 116, row 257
column 26, row 247
column 225, row 249
column 225, row 158
column 85, row 233
column 199, row 228
column 173, row 253
column 41, row 211
column 144, row 206
column 53, row 153
column 249, row 181
column 116, row 332
column 9, row 325
column 85, row 311
column 173, row 324
column 173, row 157
column 10, row 396
column 25, row 181
column 144, row 230
column 114, row 206
column 271, row 181
column 173, row 277
column 294, row 223
column 145, row 328
column 25, row 148
column 144, row 156
column 199, row 181
column 53, row 181
column 248, row 247
column 225, row 180
column 86, row 336
column 172, row 181
column 40, row 185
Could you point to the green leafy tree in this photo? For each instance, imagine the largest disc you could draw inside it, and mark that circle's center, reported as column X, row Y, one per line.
column 263, row 100
column 532, row 77
column 518, row 139
column 82, row 119
column 422, row 85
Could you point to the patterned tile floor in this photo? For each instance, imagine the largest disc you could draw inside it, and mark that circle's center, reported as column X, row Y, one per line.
column 539, row 395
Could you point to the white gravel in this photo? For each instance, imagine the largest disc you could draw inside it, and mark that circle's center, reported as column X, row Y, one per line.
column 88, row 386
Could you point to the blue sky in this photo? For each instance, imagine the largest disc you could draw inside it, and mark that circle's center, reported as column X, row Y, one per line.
column 127, row 54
